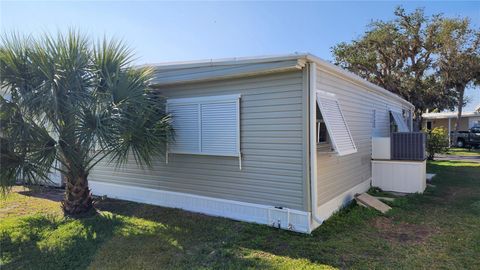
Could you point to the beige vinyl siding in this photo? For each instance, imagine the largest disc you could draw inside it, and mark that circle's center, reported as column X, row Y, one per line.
column 337, row 174
column 443, row 123
column 271, row 135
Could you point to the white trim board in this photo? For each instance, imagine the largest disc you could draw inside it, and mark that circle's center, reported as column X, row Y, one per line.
column 327, row 209
column 288, row 219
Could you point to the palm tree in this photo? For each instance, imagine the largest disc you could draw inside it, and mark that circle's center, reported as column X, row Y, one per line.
column 74, row 102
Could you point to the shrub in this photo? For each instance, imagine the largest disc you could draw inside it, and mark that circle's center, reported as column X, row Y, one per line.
column 437, row 142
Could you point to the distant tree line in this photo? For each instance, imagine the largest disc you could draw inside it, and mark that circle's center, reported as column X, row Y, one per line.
column 428, row 60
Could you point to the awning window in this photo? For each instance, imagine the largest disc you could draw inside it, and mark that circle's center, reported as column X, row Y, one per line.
column 337, row 127
column 400, row 122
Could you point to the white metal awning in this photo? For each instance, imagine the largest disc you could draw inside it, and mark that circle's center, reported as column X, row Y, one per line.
column 337, row 127
column 400, row 121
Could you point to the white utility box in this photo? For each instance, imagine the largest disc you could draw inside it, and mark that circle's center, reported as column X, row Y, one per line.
column 381, row 148
column 399, row 176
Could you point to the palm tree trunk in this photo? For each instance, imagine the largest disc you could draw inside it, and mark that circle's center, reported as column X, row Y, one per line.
column 78, row 199
column 461, row 92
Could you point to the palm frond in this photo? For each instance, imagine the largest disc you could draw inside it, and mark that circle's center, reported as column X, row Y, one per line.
column 27, row 151
column 75, row 102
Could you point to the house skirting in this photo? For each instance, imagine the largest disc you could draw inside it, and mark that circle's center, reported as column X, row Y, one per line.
column 288, row 219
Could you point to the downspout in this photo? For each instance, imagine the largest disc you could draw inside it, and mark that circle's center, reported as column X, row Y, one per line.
column 313, row 139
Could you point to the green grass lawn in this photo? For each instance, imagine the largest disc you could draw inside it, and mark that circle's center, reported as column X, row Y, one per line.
column 440, row 229
column 463, row 152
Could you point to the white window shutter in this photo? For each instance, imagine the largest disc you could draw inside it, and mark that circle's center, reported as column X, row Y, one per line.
column 400, row 121
column 337, row 126
column 186, row 126
column 206, row 125
column 219, row 128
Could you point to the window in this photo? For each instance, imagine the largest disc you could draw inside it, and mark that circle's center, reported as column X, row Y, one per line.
column 399, row 122
column 429, row 125
column 206, row 125
column 335, row 123
column 321, row 128
column 321, row 132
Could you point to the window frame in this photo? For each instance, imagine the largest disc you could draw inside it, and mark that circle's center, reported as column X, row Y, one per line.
column 319, row 124
column 208, row 100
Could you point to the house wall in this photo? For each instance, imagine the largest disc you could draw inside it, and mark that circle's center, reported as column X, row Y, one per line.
column 272, row 145
column 339, row 174
column 464, row 123
column 472, row 121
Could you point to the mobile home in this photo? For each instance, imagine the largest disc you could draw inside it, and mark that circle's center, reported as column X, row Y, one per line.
column 448, row 120
column 284, row 141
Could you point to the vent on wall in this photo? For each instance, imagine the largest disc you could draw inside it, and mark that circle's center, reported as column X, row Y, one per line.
column 408, row 145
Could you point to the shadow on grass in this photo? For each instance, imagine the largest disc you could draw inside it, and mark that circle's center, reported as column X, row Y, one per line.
column 220, row 243
column 345, row 240
column 49, row 193
column 49, row 242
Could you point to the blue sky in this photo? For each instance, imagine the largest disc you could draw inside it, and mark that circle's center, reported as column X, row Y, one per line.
column 168, row 31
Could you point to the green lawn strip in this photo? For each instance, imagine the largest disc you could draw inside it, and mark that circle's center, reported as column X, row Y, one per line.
column 463, row 152
column 438, row 229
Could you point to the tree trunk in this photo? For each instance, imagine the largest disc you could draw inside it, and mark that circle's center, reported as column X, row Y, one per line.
column 417, row 123
column 78, row 200
column 461, row 92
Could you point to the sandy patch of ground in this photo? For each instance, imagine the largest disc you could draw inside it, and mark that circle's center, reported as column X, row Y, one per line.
column 402, row 232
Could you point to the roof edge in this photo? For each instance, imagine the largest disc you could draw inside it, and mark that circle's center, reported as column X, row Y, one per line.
column 226, row 61
column 295, row 56
column 446, row 115
column 355, row 78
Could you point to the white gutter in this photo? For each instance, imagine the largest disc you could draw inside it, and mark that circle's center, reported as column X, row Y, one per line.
column 313, row 140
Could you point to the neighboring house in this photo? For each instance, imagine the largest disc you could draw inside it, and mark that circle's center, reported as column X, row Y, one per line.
column 447, row 120
column 284, row 141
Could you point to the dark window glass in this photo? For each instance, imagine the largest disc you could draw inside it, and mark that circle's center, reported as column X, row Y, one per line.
column 322, row 134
